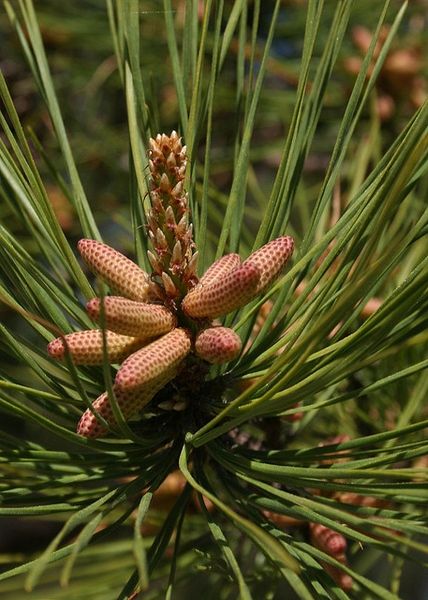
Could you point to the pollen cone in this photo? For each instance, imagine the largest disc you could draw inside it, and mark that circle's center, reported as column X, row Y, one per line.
column 127, row 317
column 121, row 274
column 218, row 345
column 86, row 347
column 223, row 295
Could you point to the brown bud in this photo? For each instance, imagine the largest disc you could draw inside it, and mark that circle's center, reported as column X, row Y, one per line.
column 164, row 183
column 169, row 285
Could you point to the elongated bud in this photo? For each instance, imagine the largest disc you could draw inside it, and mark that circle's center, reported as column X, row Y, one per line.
column 177, row 255
column 164, row 183
column 153, row 360
column 181, row 228
column 271, row 259
column 130, row 404
column 178, row 189
column 120, row 273
column 220, row 267
column 86, row 347
column 156, row 266
column 161, row 243
column 170, row 161
column 132, row 318
column 192, row 266
column 169, row 218
column 176, row 140
column 151, row 222
column 218, row 345
column 156, row 292
column 222, row 296
column 153, row 145
column 169, row 285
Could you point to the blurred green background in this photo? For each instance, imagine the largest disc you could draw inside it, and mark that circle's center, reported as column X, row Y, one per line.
column 81, row 56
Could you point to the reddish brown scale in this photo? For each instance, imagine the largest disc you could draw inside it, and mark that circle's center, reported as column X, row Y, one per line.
column 136, row 319
column 222, row 296
column 120, row 273
column 218, row 345
column 86, row 347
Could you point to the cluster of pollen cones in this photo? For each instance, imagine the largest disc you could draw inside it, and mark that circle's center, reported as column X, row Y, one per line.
column 151, row 323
